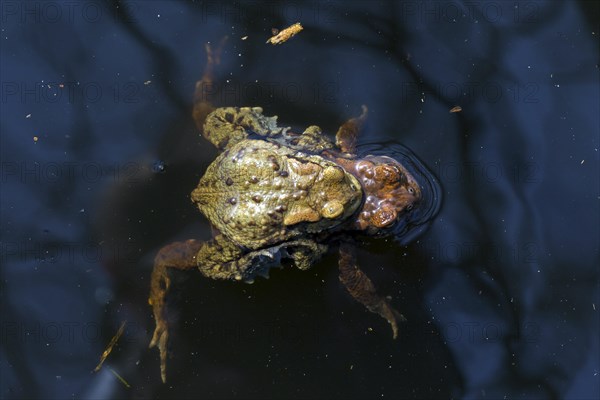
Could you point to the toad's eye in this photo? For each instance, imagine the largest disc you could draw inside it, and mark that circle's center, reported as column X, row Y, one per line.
column 332, row 209
column 411, row 191
column 410, row 206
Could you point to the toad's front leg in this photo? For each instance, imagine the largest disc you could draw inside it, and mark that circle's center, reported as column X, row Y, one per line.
column 179, row 255
column 226, row 126
column 362, row 289
column 205, row 86
column 347, row 134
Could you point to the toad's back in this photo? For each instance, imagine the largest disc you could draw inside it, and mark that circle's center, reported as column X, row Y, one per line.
column 258, row 193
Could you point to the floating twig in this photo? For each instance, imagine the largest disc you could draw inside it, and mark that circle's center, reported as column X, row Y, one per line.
column 119, row 377
column 110, row 346
column 285, row 34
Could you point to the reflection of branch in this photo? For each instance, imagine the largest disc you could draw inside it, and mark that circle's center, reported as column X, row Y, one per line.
column 110, row 346
column 162, row 56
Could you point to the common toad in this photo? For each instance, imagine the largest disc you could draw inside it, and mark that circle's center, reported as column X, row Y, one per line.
column 274, row 194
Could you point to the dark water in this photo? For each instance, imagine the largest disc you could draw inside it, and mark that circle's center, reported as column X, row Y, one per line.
column 99, row 155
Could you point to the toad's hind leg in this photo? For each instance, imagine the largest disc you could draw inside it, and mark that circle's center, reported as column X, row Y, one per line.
column 362, row 289
column 179, row 255
column 347, row 134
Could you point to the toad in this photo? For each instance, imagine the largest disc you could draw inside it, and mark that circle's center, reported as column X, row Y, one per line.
column 273, row 194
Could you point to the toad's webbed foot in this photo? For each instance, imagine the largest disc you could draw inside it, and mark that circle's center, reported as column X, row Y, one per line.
column 362, row 289
column 220, row 258
column 347, row 134
column 179, row 255
column 312, row 138
column 226, row 126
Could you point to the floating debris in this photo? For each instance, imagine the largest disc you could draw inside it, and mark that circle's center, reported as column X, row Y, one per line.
column 285, row 34
column 244, row 37
column 159, row 167
column 110, row 346
column 456, row 109
column 119, row 377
